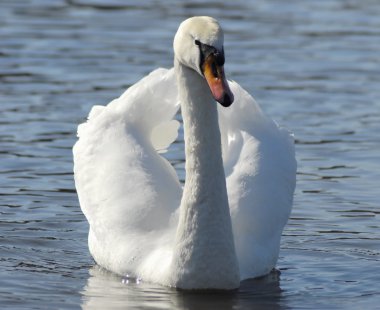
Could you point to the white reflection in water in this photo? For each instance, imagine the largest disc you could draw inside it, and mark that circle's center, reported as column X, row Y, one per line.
column 106, row 290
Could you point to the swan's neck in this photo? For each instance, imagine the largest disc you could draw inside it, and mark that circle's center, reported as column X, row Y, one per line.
column 204, row 255
column 205, row 180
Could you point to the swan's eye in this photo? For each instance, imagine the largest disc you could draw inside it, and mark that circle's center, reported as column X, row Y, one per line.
column 201, row 50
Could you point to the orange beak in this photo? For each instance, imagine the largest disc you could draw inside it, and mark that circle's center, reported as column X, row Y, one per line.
column 217, row 81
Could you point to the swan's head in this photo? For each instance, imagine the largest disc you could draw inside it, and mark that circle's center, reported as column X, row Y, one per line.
column 198, row 44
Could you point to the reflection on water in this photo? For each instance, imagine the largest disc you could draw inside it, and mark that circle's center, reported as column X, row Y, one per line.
column 314, row 66
column 104, row 288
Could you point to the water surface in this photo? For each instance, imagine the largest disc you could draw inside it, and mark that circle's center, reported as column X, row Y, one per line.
column 314, row 66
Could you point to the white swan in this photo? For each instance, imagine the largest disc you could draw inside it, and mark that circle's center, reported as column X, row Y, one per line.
column 141, row 221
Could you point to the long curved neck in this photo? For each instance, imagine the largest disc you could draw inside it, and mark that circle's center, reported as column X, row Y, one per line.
column 205, row 179
column 204, row 255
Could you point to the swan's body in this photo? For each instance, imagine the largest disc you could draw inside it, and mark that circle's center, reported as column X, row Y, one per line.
column 141, row 221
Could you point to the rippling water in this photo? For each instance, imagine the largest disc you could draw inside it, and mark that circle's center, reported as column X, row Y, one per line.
column 314, row 66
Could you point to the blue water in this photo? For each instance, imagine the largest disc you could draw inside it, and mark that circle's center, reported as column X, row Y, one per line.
column 314, row 66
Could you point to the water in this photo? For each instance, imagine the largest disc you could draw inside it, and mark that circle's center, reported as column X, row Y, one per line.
column 314, row 66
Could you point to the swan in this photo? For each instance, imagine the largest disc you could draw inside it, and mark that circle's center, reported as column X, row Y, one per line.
column 225, row 224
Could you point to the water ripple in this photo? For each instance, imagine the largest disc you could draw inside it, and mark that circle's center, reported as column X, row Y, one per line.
column 312, row 65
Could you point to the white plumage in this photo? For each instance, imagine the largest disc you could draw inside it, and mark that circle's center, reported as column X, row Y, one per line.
column 142, row 222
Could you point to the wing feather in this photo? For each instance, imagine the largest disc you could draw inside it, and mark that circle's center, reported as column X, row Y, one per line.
column 124, row 186
column 260, row 167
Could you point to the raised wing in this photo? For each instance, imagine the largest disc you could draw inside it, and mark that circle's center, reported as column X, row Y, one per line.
column 260, row 168
column 125, row 187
